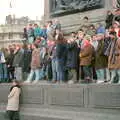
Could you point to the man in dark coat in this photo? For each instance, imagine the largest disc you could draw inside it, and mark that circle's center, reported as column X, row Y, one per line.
column 109, row 19
column 27, row 55
column 9, row 63
column 18, row 62
column 72, row 55
column 101, row 61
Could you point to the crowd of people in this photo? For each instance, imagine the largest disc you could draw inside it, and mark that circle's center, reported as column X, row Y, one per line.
column 92, row 54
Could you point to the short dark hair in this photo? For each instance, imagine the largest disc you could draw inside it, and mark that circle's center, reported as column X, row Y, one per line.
column 17, row 82
column 86, row 18
column 30, row 24
column 73, row 33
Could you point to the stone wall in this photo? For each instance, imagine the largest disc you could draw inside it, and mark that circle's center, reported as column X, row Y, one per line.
column 65, row 102
column 72, row 22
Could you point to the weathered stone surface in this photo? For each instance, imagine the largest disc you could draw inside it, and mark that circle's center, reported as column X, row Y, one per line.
column 4, row 90
column 68, row 114
column 72, row 22
column 32, row 95
column 66, row 102
column 104, row 96
column 85, row 96
column 66, row 96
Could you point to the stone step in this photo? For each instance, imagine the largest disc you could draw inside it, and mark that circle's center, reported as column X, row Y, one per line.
column 60, row 114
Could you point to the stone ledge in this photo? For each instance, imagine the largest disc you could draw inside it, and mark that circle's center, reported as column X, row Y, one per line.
column 60, row 114
column 84, row 96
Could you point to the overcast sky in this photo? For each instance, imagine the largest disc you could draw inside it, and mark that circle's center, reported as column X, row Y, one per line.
column 31, row 8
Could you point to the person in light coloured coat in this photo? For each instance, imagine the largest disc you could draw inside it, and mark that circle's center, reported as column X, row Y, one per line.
column 13, row 101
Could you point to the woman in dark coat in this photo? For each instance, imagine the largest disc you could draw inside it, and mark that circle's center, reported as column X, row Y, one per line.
column 60, row 56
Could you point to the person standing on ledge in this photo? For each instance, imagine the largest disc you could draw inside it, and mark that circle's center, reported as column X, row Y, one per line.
column 13, row 101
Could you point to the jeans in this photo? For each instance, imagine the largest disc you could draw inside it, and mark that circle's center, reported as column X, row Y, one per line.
column 31, row 75
column 114, row 74
column 60, row 69
column 100, row 74
column 3, row 72
column 42, row 73
column 54, row 69
column 107, row 74
column 103, row 74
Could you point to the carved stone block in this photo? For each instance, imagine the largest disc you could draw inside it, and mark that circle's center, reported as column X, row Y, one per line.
column 32, row 95
column 66, row 96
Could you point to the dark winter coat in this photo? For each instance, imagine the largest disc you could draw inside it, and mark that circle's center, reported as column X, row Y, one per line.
column 61, row 51
column 18, row 58
column 72, row 55
column 101, row 61
column 107, row 42
column 9, row 61
column 114, row 57
column 109, row 20
column 26, row 60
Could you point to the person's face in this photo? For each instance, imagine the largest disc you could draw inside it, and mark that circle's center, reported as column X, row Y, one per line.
column 99, row 37
column 109, row 13
column 97, row 26
column 29, row 46
column 81, row 35
column 17, row 47
column 94, row 38
column 14, row 83
column 9, row 47
column 85, row 20
column 13, row 47
column 91, row 28
column 35, row 26
column 30, row 26
column 33, row 46
column 73, row 34
column 115, row 25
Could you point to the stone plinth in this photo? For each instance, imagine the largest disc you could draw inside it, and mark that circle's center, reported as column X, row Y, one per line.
column 66, row 102
column 72, row 22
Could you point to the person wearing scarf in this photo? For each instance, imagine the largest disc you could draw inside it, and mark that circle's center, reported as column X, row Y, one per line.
column 86, row 55
column 13, row 101
column 114, row 58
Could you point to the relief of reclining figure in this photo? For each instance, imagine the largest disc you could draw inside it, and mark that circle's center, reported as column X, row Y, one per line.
column 75, row 4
